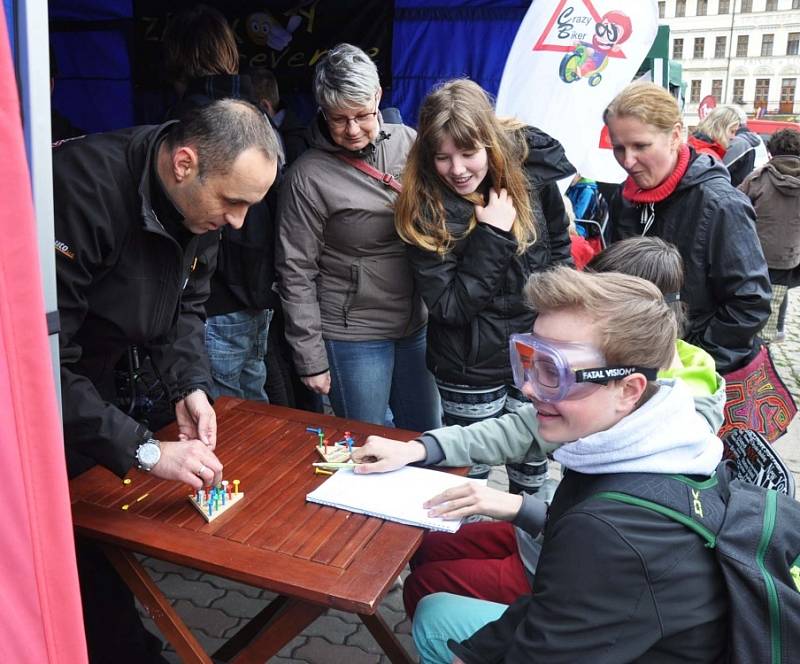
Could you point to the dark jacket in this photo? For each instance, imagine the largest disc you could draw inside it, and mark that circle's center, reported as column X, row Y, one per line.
column 474, row 292
column 246, row 264
column 615, row 584
column 294, row 134
column 726, row 286
column 122, row 280
column 740, row 157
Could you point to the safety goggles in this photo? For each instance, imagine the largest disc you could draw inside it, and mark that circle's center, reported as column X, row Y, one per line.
column 563, row 370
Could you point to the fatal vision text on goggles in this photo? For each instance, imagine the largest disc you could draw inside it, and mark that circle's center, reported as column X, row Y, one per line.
column 561, row 370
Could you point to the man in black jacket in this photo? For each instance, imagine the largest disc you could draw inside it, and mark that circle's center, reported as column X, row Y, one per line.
column 137, row 219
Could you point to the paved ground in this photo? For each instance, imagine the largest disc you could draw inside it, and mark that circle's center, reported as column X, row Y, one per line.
column 216, row 608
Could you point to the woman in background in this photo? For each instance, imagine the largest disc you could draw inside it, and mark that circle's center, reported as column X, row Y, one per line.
column 714, row 133
column 687, row 199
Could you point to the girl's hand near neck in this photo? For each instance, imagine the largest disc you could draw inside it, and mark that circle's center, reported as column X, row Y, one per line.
column 498, row 212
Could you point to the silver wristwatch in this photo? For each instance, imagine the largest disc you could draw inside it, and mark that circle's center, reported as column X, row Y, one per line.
column 148, row 454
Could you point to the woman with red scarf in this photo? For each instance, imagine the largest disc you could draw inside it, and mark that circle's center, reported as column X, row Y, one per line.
column 687, row 199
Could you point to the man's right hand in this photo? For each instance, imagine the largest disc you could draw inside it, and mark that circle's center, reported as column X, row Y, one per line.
column 188, row 461
column 380, row 455
column 321, row 383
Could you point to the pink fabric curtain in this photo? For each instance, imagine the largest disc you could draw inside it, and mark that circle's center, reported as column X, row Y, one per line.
column 42, row 620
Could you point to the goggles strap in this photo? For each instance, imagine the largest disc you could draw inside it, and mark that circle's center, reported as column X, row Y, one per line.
column 605, row 375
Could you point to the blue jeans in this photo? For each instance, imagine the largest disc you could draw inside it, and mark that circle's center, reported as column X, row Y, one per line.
column 443, row 616
column 237, row 344
column 368, row 376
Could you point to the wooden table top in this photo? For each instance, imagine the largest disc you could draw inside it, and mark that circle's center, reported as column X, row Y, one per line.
column 273, row 539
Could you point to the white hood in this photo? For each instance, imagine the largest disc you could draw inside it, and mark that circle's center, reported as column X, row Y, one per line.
column 665, row 435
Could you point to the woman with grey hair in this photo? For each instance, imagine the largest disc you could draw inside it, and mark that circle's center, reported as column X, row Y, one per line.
column 354, row 319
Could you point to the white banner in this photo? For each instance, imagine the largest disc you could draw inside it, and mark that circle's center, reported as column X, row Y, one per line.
column 569, row 60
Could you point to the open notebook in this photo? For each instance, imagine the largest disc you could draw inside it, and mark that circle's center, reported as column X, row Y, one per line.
column 396, row 496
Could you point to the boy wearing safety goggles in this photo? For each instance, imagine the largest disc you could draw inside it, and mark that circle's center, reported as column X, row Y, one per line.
column 613, row 583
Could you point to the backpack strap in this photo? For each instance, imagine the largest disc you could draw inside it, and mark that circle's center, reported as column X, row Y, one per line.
column 698, row 505
column 361, row 165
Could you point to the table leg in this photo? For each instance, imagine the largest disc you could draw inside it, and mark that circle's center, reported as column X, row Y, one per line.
column 386, row 639
column 294, row 616
column 250, row 630
column 147, row 592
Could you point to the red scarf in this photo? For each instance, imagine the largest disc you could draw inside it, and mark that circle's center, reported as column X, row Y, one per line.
column 633, row 193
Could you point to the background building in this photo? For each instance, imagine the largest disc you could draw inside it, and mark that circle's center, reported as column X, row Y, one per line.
column 739, row 51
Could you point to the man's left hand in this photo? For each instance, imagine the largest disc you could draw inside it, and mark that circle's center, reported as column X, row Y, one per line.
column 196, row 419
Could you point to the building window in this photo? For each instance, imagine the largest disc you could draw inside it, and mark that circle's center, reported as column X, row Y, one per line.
column 699, row 46
column 793, row 43
column 702, row 7
column 741, row 46
column 724, row 7
column 662, row 9
column 772, row 6
column 762, row 93
column 747, row 6
column 694, row 94
column 716, row 89
column 677, row 49
column 788, row 86
column 767, row 42
column 738, row 91
column 719, row 47
column 680, row 8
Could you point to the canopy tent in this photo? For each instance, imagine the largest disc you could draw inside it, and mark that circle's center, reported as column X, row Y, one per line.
column 97, row 44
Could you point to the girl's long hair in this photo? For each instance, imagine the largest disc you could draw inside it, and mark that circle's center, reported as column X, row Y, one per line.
column 461, row 110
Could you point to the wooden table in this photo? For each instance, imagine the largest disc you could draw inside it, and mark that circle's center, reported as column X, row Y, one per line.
column 314, row 557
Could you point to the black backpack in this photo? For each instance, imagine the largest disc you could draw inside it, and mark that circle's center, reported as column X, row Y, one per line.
column 755, row 533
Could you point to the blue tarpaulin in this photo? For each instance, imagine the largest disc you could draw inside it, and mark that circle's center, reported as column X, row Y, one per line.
column 432, row 41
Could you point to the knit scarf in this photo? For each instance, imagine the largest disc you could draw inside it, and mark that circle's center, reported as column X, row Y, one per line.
column 633, row 193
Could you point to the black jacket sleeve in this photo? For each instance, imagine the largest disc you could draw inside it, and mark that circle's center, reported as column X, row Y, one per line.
column 739, row 281
column 555, row 217
column 456, row 288
column 584, row 599
column 93, row 427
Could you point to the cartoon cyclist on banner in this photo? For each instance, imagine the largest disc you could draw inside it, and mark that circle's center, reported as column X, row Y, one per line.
column 589, row 60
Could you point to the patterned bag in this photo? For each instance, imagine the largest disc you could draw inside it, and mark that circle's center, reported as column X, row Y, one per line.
column 758, row 399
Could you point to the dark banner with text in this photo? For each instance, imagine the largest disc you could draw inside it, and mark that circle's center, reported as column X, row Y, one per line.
column 288, row 37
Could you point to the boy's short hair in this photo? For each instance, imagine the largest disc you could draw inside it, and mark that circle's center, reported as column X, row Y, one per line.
column 650, row 258
column 636, row 326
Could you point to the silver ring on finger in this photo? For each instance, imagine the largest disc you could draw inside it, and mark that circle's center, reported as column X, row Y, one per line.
column 200, row 471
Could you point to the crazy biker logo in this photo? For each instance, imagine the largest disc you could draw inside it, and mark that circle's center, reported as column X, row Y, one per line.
column 589, row 39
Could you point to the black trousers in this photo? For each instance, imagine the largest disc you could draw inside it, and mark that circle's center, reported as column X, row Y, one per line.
column 114, row 630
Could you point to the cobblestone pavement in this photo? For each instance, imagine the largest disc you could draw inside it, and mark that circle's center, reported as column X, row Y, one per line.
column 216, row 608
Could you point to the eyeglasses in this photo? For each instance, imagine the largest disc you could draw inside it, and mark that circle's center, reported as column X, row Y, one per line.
column 342, row 121
column 553, row 370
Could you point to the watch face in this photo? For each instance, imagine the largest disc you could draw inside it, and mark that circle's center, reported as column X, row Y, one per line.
column 148, row 455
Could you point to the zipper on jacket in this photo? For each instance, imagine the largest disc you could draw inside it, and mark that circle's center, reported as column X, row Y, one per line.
column 770, row 509
column 355, row 278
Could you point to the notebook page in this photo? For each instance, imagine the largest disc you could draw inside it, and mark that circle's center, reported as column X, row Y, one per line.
column 396, row 496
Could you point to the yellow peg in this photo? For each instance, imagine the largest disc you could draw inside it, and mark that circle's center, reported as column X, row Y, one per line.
column 319, row 471
column 236, row 486
column 127, row 480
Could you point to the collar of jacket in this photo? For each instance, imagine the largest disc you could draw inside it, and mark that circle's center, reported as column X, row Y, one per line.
column 152, row 141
